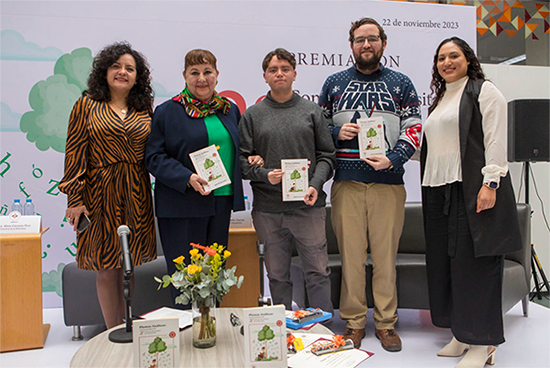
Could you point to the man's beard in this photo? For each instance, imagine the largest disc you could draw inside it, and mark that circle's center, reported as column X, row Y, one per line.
column 371, row 63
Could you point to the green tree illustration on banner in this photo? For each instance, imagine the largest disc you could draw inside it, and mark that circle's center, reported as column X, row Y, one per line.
column 52, row 100
column 51, row 281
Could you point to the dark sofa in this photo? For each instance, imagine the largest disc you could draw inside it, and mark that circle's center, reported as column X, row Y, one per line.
column 80, row 303
column 81, row 306
column 412, row 283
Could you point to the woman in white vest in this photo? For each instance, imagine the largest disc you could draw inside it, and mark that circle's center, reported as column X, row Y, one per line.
column 469, row 205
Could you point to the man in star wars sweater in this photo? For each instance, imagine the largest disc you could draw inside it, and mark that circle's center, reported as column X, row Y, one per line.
column 368, row 196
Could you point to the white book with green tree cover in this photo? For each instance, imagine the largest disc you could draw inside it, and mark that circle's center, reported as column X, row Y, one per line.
column 156, row 342
column 295, row 179
column 371, row 137
column 209, row 166
column 265, row 337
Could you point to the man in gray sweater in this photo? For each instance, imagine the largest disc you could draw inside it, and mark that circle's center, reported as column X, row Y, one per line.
column 285, row 126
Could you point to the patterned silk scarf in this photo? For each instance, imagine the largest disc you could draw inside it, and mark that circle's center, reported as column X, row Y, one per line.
column 197, row 109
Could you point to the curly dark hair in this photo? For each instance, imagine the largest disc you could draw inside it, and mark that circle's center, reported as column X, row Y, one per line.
column 141, row 95
column 438, row 85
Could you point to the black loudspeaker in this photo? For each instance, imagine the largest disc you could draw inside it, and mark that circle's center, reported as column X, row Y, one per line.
column 528, row 130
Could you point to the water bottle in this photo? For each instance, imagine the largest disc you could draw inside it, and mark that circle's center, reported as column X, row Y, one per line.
column 246, row 203
column 16, row 206
column 29, row 208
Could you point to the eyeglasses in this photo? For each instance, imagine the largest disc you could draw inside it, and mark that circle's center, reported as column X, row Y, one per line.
column 371, row 39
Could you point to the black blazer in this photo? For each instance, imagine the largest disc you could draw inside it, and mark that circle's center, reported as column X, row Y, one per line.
column 173, row 136
column 495, row 231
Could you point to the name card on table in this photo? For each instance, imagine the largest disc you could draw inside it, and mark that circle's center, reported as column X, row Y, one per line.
column 15, row 223
column 241, row 219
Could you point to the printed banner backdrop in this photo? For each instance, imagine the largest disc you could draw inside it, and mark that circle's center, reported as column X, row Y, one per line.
column 47, row 49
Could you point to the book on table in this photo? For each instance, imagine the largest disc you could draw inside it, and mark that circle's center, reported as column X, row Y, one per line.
column 156, row 342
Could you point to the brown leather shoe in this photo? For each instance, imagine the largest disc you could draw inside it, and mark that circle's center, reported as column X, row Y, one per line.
column 355, row 335
column 390, row 339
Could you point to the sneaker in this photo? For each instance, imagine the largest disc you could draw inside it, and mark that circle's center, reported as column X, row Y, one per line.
column 390, row 339
column 355, row 335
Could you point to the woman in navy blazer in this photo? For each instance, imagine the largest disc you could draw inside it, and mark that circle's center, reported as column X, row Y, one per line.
column 194, row 119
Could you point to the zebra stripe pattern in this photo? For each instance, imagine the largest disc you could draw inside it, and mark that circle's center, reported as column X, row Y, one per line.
column 105, row 171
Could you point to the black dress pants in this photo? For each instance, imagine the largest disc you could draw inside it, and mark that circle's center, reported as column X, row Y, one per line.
column 465, row 291
column 176, row 234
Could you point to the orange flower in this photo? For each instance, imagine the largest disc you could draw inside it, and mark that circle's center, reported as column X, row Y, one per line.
column 206, row 250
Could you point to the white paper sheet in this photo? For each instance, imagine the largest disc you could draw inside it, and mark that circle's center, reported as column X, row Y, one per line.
column 185, row 317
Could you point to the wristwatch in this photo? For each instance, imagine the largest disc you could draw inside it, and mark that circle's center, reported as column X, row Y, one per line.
column 491, row 185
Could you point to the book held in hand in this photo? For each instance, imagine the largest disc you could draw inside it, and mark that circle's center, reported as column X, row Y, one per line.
column 295, row 179
column 209, row 166
column 371, row 137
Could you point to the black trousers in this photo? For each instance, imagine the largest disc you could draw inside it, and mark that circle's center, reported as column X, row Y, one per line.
column 465, row 291
column 176, row 234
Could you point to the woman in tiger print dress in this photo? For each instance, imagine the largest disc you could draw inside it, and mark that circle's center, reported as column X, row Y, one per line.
column 105, row 176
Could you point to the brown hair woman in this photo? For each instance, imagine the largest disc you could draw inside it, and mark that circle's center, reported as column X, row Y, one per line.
column 105, row 176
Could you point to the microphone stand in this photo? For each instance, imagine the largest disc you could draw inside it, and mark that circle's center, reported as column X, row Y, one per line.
column 124, row 334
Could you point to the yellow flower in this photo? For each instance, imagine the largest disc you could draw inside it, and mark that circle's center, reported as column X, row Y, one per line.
column 192, row 269
column 193, row 252
column 226, row 254
column 179, row 259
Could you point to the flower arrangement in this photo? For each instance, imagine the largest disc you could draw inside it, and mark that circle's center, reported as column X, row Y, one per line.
column 203, row 276
column 200, row 281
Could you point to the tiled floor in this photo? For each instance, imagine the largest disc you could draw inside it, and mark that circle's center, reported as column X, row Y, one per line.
column 527, row 342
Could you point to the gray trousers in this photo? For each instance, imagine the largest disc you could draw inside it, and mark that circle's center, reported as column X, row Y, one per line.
column 305, row 228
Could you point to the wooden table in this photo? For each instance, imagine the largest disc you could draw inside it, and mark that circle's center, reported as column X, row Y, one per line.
column 228, row 352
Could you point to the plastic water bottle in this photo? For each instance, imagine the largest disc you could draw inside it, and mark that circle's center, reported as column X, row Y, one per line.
column 29, row 208
column 16, row 206
column 246, row 203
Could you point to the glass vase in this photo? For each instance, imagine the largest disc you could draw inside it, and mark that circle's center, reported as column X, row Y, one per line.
column 204, row 322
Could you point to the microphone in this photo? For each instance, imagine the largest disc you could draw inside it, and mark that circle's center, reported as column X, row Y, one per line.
column 123, row 232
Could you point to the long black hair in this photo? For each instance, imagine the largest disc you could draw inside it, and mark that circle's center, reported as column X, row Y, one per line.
column 141, row 96
column 438, row 85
